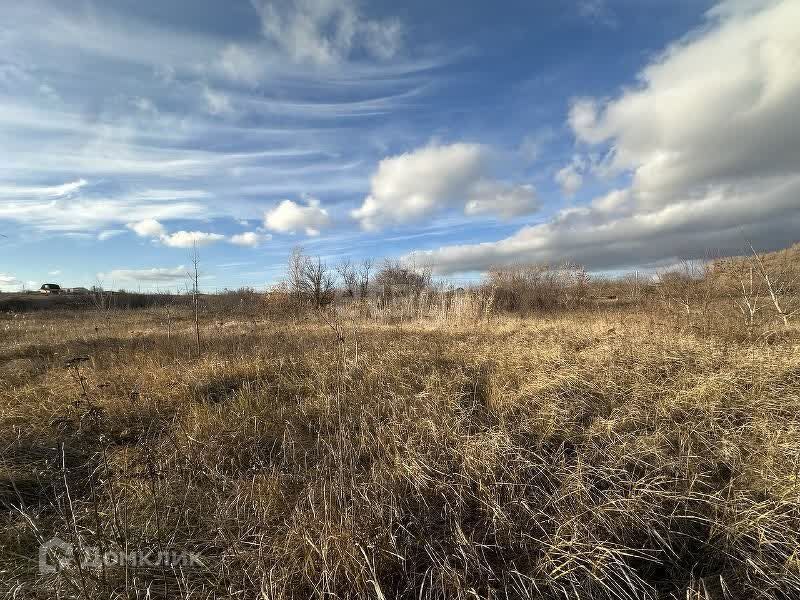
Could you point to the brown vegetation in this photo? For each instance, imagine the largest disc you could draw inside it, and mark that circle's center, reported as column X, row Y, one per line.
column 430, row 446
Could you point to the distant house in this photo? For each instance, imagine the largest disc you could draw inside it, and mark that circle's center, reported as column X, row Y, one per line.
column 50, row 288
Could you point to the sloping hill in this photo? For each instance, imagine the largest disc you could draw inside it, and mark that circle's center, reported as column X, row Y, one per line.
column 785, row 262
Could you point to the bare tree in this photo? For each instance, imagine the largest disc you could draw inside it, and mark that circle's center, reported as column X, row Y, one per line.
column 194, row 276
column 349, row 277
column 295, row 269
column 364, row 271
column 309, row 280
column 318, row 282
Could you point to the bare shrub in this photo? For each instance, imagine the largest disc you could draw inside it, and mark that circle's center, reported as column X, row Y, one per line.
column 530, row 288
column 395, row 277
column 690, row 290
column 782, row 286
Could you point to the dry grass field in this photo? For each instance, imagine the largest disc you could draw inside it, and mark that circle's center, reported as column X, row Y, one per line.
column 606, row 453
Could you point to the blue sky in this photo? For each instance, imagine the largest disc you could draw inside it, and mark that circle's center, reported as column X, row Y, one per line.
column 615, row 133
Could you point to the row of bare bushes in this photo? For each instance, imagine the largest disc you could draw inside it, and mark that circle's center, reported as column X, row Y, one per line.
column 754, row 295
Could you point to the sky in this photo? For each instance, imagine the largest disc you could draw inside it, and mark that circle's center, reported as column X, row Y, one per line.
column 617, row 134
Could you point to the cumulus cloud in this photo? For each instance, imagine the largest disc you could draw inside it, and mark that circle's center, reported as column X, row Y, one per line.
column 147, row 228
column 711, row 143
column 250, row 239
column 322, row 32
column 570, row 179
column 155, row 274
column 150, row 228
column 290, row 216
column 188, row 239
column 497, row 198
column 720, row 222
column 718, row 107
column 416, row 184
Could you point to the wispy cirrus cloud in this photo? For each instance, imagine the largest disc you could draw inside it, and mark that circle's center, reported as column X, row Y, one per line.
column 181, row 130
column 322, row 33
column 155, row 274
column 52, row 191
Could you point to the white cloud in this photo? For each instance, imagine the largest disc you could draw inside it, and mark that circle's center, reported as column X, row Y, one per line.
column 154, row 274
column 90, row 214
column 188, row 239
column 155, row 194
column 290, row 216
column 63, row 208
column 9, row 282
column 720, row 222
column 147, row 228
column 55, row 191
column 56, row 272
column 382, row 39
column 217, row 103
column 416, row 184
column 241, row 64
column 507, row 201
column 570, row 178
column 107, row 234
column 145, row 105
column 322, row 32
column 613, row 201
column 151, row 228
column 250, row 239
column 716, row 107
column 712, row 143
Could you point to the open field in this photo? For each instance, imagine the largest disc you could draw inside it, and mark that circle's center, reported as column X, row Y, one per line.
column 586, row 454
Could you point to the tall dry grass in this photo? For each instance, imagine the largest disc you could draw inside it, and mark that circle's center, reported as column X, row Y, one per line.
column 618, row 453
